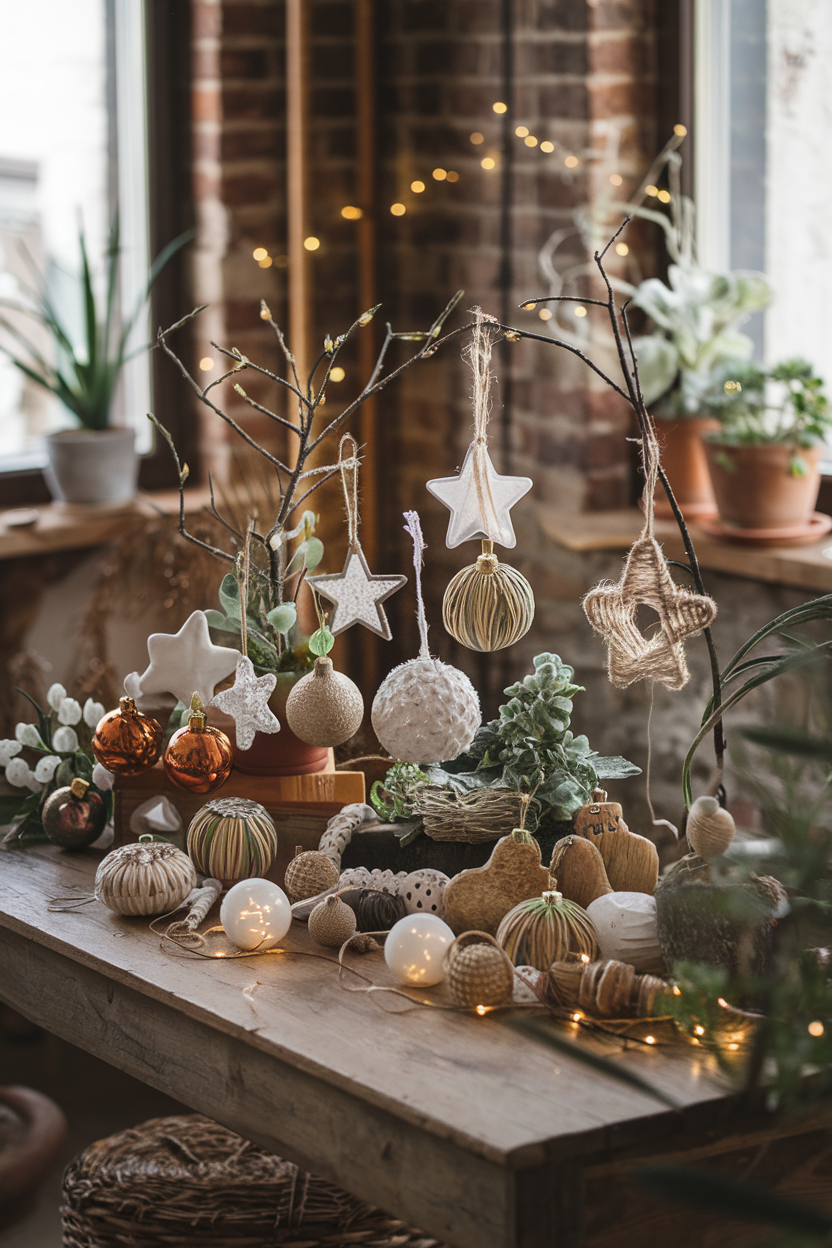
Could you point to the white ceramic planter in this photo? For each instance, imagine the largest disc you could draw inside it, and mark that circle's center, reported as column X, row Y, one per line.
column 96, row 467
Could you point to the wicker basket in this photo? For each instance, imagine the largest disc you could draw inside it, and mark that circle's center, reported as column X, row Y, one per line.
column 189, row 1181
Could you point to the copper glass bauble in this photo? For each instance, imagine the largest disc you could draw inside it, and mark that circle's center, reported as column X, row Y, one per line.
column 126, row 741
column 74, row 816
column 198, row 758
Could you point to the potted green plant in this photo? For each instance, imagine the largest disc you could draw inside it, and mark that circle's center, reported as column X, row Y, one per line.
column 763, row 456
column 95, row 463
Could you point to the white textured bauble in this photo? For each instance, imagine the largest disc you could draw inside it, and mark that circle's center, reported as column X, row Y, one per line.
column 415, row 949
column 625, row 924
column 424, row 892
column 151, row 877
column 325, row 707
column 426, row 712
column 255, row 914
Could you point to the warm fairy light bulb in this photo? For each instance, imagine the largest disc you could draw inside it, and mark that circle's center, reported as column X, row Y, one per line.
column 677, row 991
column 571, row 162
column 351, row 213
column 521, row 131
column 651, row 190
column 664, row 197
column 622, row 249
column 816, row 1028
column 417, row 187
column 267, row 263
column 732, row 1047
column 477, row 138
column 415, row 949
column 259, row 253
column 721, row 1001
column 480, row 1009
column 584, row 957
column 488, row 162
column 440, row 174
column 546, row 146
column 337, row 373
column 206, row 363
column 576, row 1018
column 452, row 175
column 531, row 141
column 499, row 107
column 580, row 310
column 616, row 179
column 680, row 129
column 398, row 210
column 649, row 1039
column 311, row 243
column 545, row 314
column 699, row 1031
column 255, row 914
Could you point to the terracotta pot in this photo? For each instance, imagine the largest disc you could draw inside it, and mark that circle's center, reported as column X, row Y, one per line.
column 92, row 467
column 683, row 459
column 755, row 488
column 32, row 1133
column 274, row 753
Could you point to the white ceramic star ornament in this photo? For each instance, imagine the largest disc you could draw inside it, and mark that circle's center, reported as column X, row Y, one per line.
column 186, row 662
column 356, row 592
column 478, row 498
column 247, row 702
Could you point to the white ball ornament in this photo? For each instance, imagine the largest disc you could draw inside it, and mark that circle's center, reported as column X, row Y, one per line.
column 415, row 950
column 255, row 914
column 423, row 892
column 626, row 926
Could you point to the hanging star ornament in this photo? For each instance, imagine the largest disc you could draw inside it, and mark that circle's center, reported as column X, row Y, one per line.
column 479, row 500
column 247, row 702
column 357, row 595
column 186, row 662
column 612, row 609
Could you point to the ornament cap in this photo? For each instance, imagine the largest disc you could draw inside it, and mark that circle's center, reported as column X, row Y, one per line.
column 323, row 668
column 78, row 787
column 553, row 898
column 127, row 706
column 487, row 563
column 196, row 718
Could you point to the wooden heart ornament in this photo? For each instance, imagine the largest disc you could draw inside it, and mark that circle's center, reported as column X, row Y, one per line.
column 477, row 899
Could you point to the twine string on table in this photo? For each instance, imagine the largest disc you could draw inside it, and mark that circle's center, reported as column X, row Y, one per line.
column 479, row 356
column 414, row 528
column 350, row 496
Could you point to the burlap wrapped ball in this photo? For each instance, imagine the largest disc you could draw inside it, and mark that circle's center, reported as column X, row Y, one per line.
column 332, row 922
column 325, row 707
column 426, row 712
column 310, row 872
column 479, row 972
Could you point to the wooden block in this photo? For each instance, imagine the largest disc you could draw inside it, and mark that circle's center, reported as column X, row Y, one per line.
column 299, row 805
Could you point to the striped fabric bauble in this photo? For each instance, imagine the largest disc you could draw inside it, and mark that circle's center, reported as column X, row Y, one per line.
column 547, row 929
column 232, row 838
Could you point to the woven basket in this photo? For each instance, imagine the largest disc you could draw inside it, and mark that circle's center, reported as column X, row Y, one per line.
column 189, row 1181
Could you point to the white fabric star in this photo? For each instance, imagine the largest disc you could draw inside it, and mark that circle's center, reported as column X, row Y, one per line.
column 472, row 516
column 247, row 703
column 357, row 595
column 187, row 662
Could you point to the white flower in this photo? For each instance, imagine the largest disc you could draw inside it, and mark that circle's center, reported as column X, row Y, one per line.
column 33, row 783
column 132, row 686
column 8, row 750
column 17, row 772
column 27, row 734
column 69, row 712
column 55, row 696
column 93, row 712
column 65, row 740
column 102, row 778
column 45, row 769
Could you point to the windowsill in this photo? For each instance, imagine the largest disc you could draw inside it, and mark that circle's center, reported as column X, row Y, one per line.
column 58, row 528
column 804, row 567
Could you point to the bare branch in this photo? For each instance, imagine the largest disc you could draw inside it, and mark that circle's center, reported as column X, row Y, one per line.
column 182, row 473
column 567, row 346
column 530, row 303
column 258, row 368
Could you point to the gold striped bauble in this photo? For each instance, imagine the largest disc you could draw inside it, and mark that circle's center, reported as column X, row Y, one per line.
column 547, row 929
column 232, row 838
column 488, row 606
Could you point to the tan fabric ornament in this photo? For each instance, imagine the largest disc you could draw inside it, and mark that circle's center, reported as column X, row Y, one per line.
column 646, row 581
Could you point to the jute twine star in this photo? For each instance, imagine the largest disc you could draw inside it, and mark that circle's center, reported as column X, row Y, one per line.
column 646, row 581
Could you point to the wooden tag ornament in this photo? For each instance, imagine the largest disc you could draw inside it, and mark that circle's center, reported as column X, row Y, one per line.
column 479, row 898
column 631, row 861
column 543, row 930
column 598, row 815
column 579, row 869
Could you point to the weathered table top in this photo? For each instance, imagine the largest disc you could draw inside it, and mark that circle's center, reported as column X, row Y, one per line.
column 453, row 1122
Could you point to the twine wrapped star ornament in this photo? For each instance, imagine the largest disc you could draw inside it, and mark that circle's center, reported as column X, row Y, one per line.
column 356, row 593
column 646, row 581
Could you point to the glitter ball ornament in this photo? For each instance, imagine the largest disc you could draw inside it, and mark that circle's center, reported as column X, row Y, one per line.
column 488, row 606
column 546, row 929
column 310, row 872
column 126, row 741
column 232, row 838
column 325, row 707
column 478, row 971
column 152, row 877
column 198, row 758
column 332, row 922
column 74, row 816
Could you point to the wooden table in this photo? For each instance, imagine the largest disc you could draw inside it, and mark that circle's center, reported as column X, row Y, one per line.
column 450, row 1121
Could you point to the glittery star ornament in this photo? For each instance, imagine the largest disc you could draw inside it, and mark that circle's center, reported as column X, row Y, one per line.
column 612, row 610
column 479, row 500
column 247, row 702
column 186, row 662
column 357, row 595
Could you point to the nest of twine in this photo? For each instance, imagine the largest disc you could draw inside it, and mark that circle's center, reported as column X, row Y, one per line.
column 188, row 1180
column 476, row 817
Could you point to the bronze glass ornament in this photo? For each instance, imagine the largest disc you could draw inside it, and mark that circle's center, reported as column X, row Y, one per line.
column 126, row 742
column 488, row 606
column 198, row 757
column 74, row 816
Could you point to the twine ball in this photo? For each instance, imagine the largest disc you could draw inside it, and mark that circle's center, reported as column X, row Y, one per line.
column 308, row 874
column 151, row 877
column 331, row 923
column 326, row 707
column 478, row 971
column 232, row 838
column 711, row 828
column 423, row 892
column 377, row 911
column 546, row 929
column 489, row 605
column 426, row 711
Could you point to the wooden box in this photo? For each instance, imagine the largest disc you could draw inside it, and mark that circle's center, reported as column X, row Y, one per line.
column 299, row 805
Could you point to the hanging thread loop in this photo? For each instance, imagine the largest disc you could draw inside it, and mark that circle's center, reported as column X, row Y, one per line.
column 347, row 464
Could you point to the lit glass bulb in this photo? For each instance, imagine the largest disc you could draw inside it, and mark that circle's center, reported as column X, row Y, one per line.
column 415, row 949
column 616, row 179
column 477, row 138
column 351, row 213
column 255, row 914
column 206, row 364
column 651, row 190
column 530, row 141
column 546, row 146
column 664, row 197
column 680, row 130
column 337, row 373
column 580, row 310
column 571, row 162
column 259, row 253
column 499, row 107
column 816, row 1028
column 312, row 243
column 398, row 210
column 622, row 249
column 417, row 187
column 453, row 176
column 266, row 263
column 488, row 162
column 545, row 314
column 440, row 174
column 521, row 131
